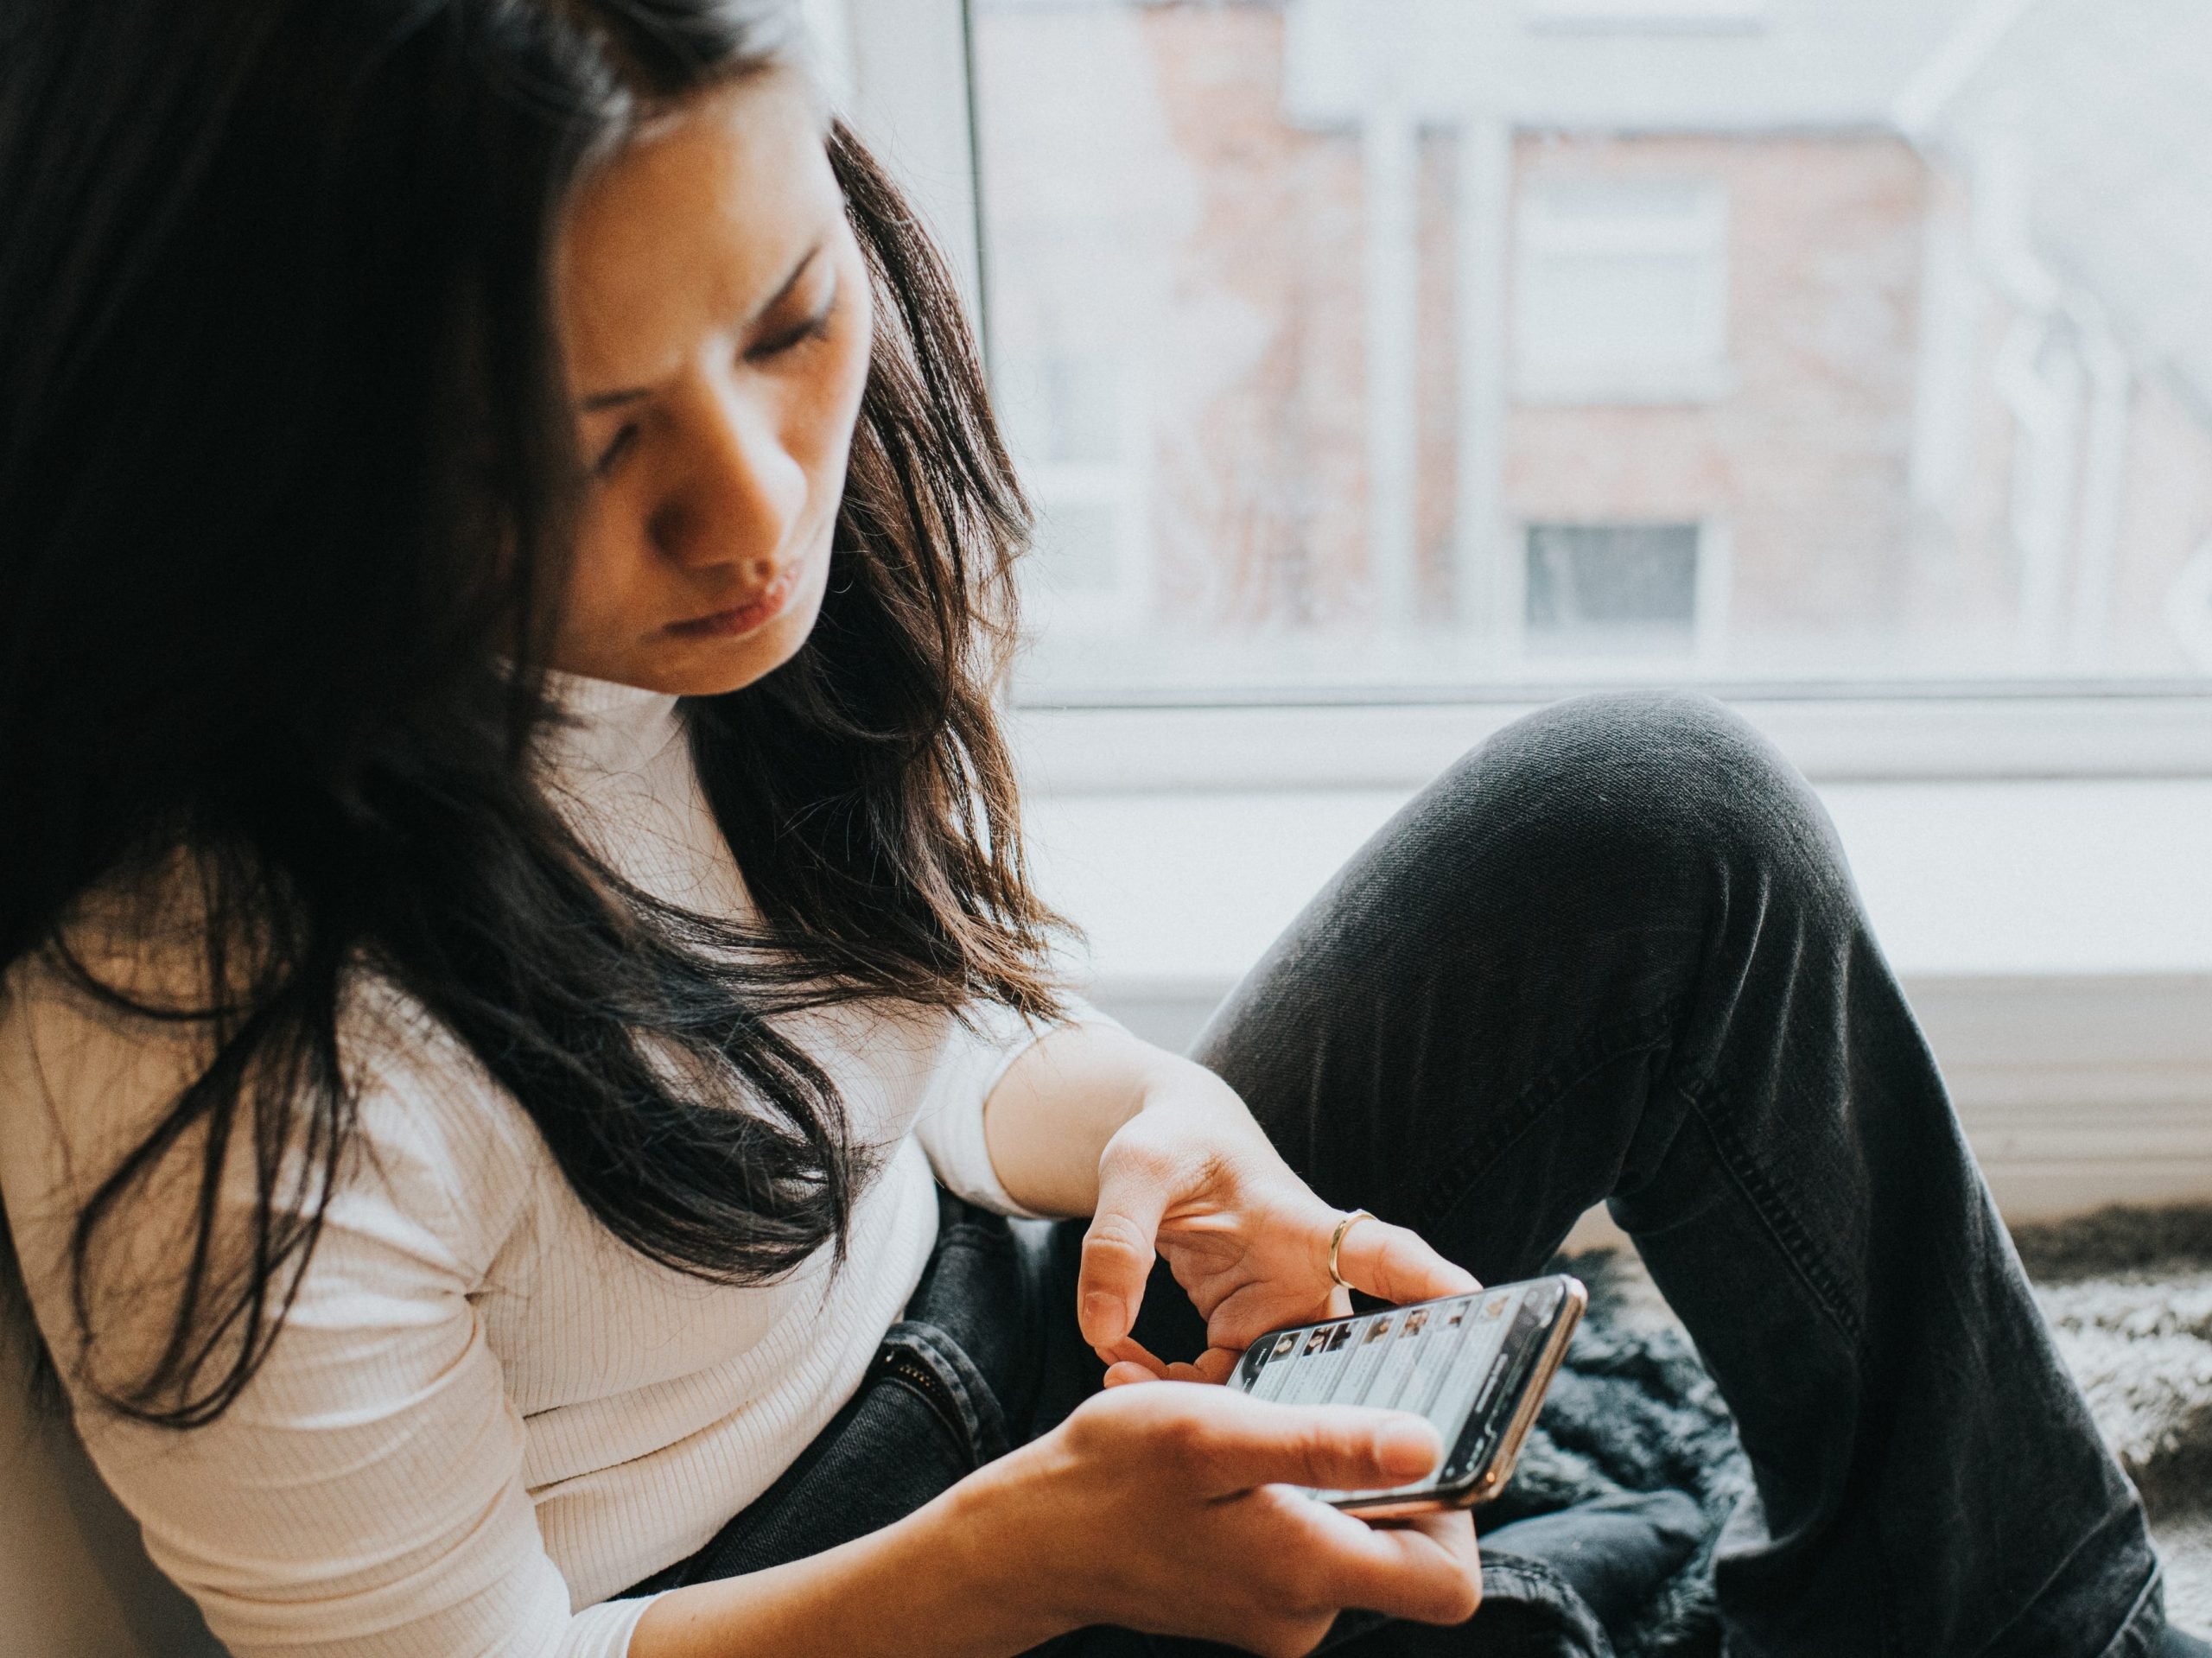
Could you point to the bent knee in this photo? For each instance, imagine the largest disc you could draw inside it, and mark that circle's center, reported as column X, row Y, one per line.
column 1650, row 777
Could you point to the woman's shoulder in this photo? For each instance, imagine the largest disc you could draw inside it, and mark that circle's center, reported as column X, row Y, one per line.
column 433, row 1119
column 98, row 1024
column 104, row 1028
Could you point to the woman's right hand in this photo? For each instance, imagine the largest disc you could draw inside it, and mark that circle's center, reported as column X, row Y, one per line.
column 1167, row 1507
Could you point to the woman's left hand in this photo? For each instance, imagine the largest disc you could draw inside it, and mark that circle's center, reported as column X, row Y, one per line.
column 1192, row 1178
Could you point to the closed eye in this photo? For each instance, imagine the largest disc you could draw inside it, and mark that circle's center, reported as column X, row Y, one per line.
column 617, row 447
column 814, row 328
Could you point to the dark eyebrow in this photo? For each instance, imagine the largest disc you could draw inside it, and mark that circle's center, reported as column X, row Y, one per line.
column 599, row 400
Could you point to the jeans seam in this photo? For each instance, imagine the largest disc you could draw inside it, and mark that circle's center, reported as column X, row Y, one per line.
column 2128, row 1631
column 2123, row 1632
column 1706, row 1102
column 1638, row 1034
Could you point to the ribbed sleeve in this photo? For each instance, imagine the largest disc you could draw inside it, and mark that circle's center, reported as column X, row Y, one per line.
column 604, row 1630
column 364, row 1497
column 978, row 1052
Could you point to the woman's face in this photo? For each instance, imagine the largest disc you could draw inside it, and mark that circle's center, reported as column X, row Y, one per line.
column 713, row 306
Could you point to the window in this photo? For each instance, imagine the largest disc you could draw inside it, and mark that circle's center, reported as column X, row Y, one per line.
column 1621, row 294
column 1893, row 427
column 1341, row 361
column 1613, row 588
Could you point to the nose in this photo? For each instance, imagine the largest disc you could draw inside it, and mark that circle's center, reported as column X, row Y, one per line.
column 739, row 492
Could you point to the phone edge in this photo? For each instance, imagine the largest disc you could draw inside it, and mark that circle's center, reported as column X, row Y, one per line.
column 1500, row 1468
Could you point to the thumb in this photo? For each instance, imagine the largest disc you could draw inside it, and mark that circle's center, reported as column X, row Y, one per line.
column 1330, row 1447
column 1117, row 1250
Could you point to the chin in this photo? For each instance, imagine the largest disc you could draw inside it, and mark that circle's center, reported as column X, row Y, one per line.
column 724, row 665
column 677, row 666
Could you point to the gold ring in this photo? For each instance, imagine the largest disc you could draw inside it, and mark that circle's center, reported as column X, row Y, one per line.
column 1337, row 1242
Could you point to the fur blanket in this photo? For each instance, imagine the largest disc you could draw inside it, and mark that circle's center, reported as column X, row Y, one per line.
column 2129, row 1296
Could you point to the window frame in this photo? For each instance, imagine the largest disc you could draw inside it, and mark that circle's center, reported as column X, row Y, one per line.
column 912, row 95
column 2025, row 732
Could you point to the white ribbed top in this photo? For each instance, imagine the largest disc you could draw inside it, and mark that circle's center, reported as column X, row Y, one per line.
column 485, row 1416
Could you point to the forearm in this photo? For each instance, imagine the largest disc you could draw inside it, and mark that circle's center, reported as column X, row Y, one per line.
column 1049, row 1118
column 938, row 1583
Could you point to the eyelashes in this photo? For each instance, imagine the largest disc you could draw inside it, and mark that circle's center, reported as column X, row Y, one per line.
column 816, row 328
column 618, row 446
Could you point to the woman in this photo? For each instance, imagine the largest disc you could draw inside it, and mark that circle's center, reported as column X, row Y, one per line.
column 513, row 904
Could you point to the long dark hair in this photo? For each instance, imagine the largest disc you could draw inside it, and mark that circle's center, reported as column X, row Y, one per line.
column 287, row 481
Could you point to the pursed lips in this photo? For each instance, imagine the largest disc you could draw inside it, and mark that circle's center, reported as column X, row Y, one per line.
column 764, row 598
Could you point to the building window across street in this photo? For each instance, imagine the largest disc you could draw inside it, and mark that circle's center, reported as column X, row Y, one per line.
column 1624, row 588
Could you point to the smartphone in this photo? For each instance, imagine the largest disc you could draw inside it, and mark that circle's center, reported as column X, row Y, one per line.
column 1475, row 1365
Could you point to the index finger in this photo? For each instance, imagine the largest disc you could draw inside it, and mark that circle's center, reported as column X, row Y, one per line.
column 1397, row 1264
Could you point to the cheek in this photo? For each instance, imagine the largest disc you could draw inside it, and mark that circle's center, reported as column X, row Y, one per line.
column 845, row 381
column 604, row 565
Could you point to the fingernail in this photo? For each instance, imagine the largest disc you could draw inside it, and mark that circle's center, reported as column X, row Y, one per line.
column 1408, row 1446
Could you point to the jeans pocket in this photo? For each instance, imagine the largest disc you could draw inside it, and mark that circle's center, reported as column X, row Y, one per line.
column 921, row 1358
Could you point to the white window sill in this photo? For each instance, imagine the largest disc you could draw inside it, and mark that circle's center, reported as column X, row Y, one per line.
column 2054, row 936
column 1396, row 739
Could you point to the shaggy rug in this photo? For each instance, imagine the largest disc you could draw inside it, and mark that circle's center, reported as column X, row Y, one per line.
column 2128, row 1294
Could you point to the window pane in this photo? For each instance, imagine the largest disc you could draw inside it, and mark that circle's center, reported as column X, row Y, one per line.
column 1466, row 342
column 1621, row 588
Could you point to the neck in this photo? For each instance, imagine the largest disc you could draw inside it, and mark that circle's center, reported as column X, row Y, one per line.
column 610, row 726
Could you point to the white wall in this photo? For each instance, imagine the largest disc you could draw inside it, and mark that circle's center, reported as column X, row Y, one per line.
column 74, row 1580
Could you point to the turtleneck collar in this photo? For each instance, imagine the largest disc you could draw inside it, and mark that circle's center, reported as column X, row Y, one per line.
column 622, row 774
column 610, row 726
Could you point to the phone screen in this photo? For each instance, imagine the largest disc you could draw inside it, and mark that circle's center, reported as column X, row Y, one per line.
column 1464, row 1362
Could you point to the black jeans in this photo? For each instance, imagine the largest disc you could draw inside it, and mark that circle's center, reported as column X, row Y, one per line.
column 1614, row 955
